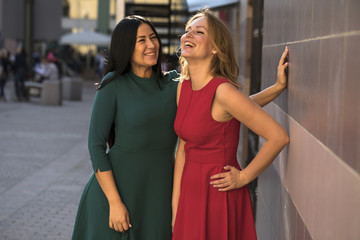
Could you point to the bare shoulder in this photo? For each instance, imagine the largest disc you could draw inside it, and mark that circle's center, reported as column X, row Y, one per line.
column 226, row 87
column 226, row 91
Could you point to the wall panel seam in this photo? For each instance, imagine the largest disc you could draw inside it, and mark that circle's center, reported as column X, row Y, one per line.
column 334, row 155
column 338, row 35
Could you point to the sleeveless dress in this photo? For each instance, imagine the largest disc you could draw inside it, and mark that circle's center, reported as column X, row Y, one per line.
column 143, row 111
column 204, row 213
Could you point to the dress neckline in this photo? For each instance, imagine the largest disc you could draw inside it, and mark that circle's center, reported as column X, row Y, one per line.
column 141, row 80
column 198, row 90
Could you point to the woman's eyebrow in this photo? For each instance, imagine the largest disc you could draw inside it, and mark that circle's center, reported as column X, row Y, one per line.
column 143, row 36
column 189, row 28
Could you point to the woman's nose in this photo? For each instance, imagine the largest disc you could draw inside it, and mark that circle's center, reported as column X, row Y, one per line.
column 189, row 33
column 150, row 44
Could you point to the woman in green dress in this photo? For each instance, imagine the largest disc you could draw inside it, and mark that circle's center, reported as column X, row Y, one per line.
column 128, row 196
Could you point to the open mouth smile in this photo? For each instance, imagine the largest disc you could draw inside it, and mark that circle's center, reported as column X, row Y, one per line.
column 189, row 44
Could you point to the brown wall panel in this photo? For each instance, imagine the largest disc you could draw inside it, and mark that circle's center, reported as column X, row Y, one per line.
column 314, row 185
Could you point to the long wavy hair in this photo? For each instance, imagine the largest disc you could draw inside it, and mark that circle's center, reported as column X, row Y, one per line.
column 223, row 63
column 122, row 46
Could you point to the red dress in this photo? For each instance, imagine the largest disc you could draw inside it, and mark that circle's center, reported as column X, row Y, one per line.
column 204, row 213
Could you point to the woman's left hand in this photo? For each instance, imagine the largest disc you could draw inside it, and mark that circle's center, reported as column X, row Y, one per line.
column 281, row 74
column 232, row 179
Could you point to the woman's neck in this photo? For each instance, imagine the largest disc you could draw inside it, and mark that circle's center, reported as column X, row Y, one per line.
column 200, row 74
column 143, row 72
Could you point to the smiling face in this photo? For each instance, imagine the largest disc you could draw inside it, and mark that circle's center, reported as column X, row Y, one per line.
column 195, row 43
column 146, row 51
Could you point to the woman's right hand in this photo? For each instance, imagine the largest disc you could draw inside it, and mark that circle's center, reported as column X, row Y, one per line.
column 119, row 219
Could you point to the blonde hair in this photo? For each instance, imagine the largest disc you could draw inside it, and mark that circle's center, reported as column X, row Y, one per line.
column 223, row 63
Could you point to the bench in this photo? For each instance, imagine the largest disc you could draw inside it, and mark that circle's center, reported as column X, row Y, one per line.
column 33, row 88
column 49, row 91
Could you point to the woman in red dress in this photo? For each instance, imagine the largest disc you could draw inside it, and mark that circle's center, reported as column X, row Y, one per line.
column 211, row 200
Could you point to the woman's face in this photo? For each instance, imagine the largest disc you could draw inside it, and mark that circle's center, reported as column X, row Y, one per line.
column 146, row 51
column 195, row 43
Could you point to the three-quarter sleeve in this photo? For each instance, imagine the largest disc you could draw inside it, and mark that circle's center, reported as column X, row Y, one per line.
column 102, row 118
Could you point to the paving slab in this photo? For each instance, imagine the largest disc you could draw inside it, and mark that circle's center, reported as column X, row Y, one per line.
column 44, row 166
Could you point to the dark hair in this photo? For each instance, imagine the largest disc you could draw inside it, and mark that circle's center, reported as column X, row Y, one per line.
column 122, row 46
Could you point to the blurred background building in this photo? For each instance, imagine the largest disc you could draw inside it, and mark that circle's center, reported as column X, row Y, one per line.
column 40, row 24
column 312, row 190
column 28, row 23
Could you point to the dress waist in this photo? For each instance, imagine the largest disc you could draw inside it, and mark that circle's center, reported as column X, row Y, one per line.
column 210, row 156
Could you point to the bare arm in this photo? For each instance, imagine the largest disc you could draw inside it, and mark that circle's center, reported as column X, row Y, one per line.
column 119, row 219
column 178, row 170
column 269, row 94
column 230, row 102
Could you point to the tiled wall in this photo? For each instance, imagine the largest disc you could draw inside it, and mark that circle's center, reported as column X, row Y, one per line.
column 312, row 190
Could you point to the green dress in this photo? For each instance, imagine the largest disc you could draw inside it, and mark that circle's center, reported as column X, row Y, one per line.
column 142, row 158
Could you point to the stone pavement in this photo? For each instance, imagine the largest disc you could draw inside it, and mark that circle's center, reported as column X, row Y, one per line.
column 44, row 166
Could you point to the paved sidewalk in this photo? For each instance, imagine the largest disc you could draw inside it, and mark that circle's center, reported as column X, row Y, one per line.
column 44, row 165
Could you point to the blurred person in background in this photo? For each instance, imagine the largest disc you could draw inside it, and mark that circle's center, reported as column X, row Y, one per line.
column 50, row 70
column 99, row 62
column 20, row 68
column 46, row 70
column 52, row 56
column 4, row 72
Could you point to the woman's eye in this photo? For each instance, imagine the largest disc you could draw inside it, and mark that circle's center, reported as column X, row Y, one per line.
column 199, row 32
